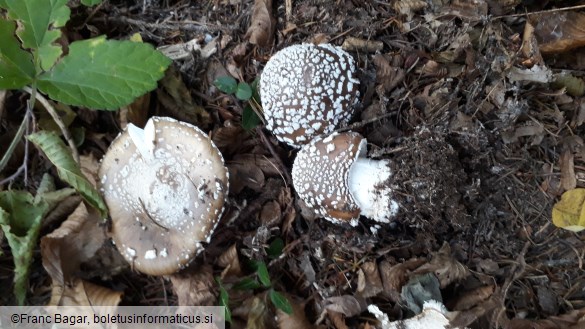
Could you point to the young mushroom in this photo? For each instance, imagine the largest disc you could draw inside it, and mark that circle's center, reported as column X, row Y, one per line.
column 333, row 176
column 165, row 187
column 308, row 90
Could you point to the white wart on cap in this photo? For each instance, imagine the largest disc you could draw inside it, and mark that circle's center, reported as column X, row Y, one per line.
column 308, row 90
column 165, row 187
column 333, row 176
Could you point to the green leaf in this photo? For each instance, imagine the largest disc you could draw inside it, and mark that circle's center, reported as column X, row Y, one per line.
column 226, row 84
column 40, row 21
column 20, row 219
column 16, row 66
column 104, row 74
column 263, row 275
column 247, row 284
column 249, row 118
column 67, row 168
column 275, row 248
column 244, row 91
column 280, row 301
column 90, row 3
column 224, row 300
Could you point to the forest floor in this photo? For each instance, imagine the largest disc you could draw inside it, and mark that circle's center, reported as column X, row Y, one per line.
column 470, row 100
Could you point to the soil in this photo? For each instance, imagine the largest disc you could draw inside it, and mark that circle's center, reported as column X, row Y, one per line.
column 479, row 160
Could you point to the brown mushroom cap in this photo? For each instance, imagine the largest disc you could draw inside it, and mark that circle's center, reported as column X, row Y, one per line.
column 165, row 187
column 335, row 178
column 320, row 175
column 308, row 90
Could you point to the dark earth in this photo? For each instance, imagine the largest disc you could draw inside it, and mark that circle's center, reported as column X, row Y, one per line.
column 480, row 148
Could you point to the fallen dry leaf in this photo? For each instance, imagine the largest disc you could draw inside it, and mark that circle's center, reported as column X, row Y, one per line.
column 65, row 249
column 297, row 319
column 347, row 305
column 230, row 262
column 444, row 266
column 195, row 286
column 337, row 319
column 408, row 7
column 569, row 212
column 559, row 31
column 261, row 30
column 369, row 281
column 395, row 276
column 567, row 165
column 473, row 297
column 362, row 45
column 572, row 320
column 82, row 293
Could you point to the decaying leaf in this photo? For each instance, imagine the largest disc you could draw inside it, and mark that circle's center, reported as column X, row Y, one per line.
column 573, row 85
column 567, row 165
column 369, row 281
column 230, row 262
column 261, row 30
column 347, row 305
column 395, row 276
column 195, row 286
column 297, row 319
column 473, row 297
column 559, row 31
column 65, row 249
column 408, row 7
column 444, row 266
column 569, row 212
column 176, row 98
column 83, row 293
column 362, row 45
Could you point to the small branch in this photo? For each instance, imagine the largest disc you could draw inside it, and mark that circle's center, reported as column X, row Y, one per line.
column 542, row 12
column 57, row 120
column 22, row 130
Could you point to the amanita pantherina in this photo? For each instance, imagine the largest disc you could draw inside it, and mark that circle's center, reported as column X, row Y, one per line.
column 308, row 90
column 334, row 177
column 165, row 187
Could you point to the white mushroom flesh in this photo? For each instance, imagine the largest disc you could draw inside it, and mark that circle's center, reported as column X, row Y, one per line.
column 333, row 176
column 308, row 90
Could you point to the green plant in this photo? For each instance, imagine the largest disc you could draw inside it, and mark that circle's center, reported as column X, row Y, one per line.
column 260, row 279
column 243, row 91
column 95, row 73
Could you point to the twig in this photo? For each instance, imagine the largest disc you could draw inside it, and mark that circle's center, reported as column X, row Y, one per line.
column 57, row 120
column 542, row 12
column 24, row 128
column 275, row 155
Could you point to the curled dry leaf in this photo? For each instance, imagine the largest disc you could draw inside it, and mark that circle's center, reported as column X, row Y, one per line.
column 261, row 30
column 82, row 293
column 560, row 31
column 408, row 7
column 473, row 297
column 176, row 98
column 347, row 305
column 395, row 276
column 369, row 281
column 230, row 262
column 362, row 45
column 195, row 286
column 297, row 319
column 444, row 266
column 66, row 248
column 388, row 74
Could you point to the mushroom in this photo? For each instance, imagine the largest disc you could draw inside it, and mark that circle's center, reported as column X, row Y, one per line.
column 165, row 187
column 308, row 90
column 333, row 177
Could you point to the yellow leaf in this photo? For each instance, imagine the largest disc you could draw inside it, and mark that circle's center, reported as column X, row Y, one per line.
column 136, row 37
column 569, row 213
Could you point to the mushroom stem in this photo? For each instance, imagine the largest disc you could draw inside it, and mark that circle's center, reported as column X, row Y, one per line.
column 368, row 186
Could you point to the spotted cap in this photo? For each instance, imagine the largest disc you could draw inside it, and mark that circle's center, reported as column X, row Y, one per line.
column 308, row 90
column 320, row 175
column 165, row 187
